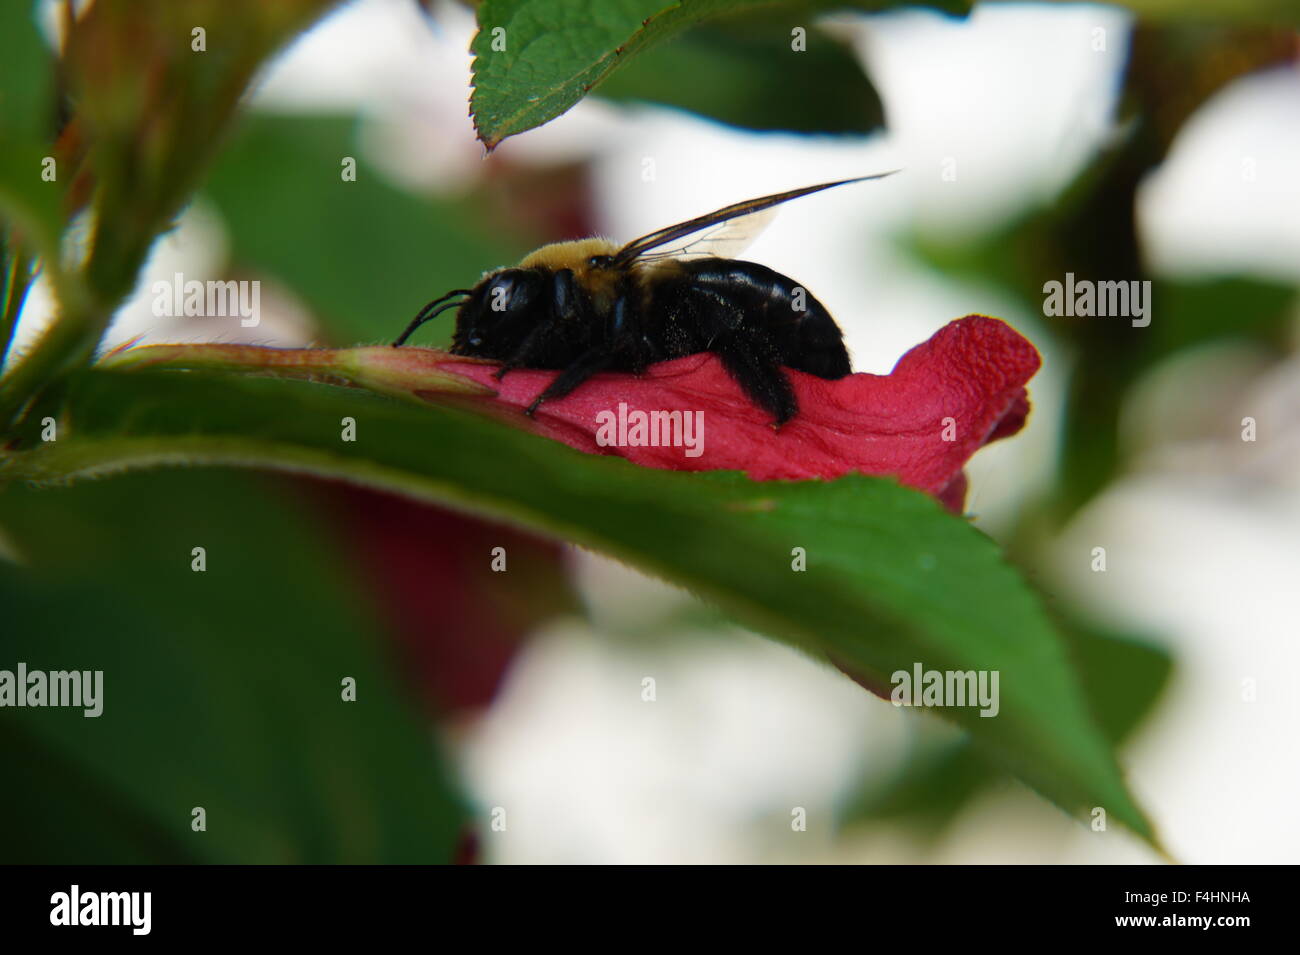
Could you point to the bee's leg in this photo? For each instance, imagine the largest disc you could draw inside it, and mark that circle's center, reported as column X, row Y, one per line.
column 526, row 348
column 748, row 354
column 623, row 346
column 618, row 347
column 751, row 359
column 566, row 306
column 586, row 365
column 628, row 339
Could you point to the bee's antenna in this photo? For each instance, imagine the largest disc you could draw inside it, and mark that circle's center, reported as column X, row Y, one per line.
column 430, row 311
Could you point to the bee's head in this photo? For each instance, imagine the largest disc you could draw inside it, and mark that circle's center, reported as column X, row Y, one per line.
column 492, row 317
column 499, row 311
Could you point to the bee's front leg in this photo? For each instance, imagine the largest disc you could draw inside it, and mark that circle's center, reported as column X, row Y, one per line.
column 586, row 365
column 618, row 347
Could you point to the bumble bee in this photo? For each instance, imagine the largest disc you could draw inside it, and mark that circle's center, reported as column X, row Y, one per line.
column 587, row 306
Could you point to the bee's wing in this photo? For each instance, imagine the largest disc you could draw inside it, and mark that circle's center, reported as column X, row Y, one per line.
column 730, row 228
column 725, row 240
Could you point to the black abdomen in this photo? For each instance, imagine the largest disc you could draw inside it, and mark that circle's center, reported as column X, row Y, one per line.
column 717, row 299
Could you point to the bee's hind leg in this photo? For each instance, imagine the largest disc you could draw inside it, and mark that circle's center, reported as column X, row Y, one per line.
column 752, row 360
column 748, row 354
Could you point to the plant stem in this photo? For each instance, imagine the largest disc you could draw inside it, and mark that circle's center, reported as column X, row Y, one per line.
column 403, row 372
column 86, row 305
column 69, row 342
column 16, row 282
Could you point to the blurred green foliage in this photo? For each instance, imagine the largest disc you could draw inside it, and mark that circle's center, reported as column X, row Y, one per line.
column 222, row 688
column 32, row 213
column 742, row 70
column 1091, row 231
column 364, row 255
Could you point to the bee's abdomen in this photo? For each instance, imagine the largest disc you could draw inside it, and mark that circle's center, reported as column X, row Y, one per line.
column 721, row 296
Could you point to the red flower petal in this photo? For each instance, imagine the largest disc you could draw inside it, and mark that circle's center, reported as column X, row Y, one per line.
column 944, row 400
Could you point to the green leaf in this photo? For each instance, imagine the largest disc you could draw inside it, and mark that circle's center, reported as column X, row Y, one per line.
column 1122, row 677
column 891, row 580
column 744, row 71
column 533, row 59
column 26, row 76
column 221, row 689
column 72, row 815
column 34, row 206
column 27, row 128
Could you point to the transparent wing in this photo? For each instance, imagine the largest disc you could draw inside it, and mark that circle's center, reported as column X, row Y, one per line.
column 667, row 241
column 726, row 240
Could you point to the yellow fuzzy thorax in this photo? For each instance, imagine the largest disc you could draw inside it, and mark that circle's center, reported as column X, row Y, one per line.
column 568, row 255
column 600, row 284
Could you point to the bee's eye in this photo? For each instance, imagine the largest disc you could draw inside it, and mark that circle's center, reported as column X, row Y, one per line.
column 598, row 261
column 512, row 290
column 500, row 292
